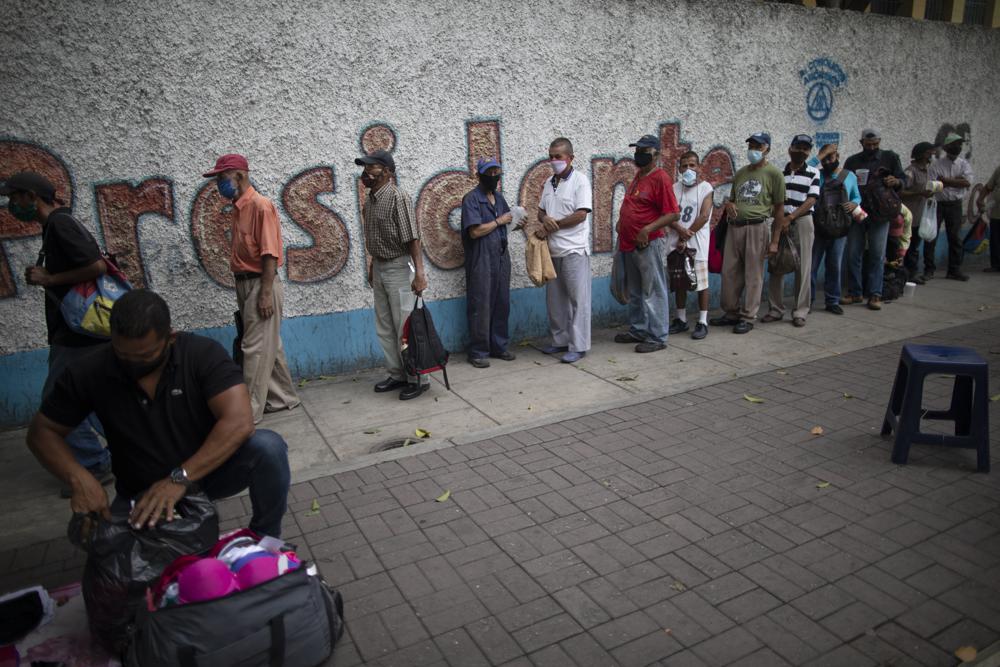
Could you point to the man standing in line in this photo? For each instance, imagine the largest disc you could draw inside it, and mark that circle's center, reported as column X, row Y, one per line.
column 955, row 173
column 915, row 194
column 801, row 193
column 564, row 212
column 991, row 192
column 254, row 260
column 758, row 196
column 69, row 256
column 485, row 216
column 873, row 233
column 397, row 263
column 694, row 199
column 648, row 207
column 829, row 253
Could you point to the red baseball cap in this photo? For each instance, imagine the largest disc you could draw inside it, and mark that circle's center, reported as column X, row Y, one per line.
column 227, row 162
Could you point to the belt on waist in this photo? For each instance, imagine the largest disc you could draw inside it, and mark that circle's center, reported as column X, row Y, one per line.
column 749, row 221
column 249, row 275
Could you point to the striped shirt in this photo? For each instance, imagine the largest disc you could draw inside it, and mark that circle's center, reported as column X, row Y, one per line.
column 390, row 223
column 799, row 186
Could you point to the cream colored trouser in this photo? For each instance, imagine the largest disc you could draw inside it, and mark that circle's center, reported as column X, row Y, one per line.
column 743, row 267
column 801, row 234
column 264, row 367
column 394, row 300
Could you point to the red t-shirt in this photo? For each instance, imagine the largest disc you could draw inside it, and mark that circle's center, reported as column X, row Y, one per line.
column 647, row 198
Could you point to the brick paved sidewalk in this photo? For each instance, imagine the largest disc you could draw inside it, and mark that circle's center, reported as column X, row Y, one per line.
column 696, row 529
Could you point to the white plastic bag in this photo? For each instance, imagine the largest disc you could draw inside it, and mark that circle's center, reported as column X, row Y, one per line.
column 929, row 223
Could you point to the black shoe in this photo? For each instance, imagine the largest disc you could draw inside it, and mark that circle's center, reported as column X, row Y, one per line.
column 479, row 362
column 389, row 384
column 918, row 280
column 413, row 390
column 102, row 474
column 957, row 275
column 506, row 355
column 743, row 327
column 626, row 337
column 650, row 346
column 723, row 321
column 834, row 308
column 928, row 275
column 700, row 331
column 677, row 326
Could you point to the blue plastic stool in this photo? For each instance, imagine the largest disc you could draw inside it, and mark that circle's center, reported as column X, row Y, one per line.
column 969, row 404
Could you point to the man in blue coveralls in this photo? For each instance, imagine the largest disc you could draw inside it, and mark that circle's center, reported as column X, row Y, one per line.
column 485, row 216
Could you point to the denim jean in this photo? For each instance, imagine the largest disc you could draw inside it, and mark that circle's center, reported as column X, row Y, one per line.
column 873, row 236
column 83, row 442
column 646, row 276
column 831, row 254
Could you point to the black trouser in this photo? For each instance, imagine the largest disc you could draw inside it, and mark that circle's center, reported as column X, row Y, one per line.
column 995, row 243
column 950, row 213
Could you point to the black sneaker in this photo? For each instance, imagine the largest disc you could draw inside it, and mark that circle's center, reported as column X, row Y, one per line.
column 413, row 390
column 834, row 308
column 650, row 346
column 389, row 384
column 479, row 362
column 626, row 337
column 677, row 326
column 700, row 331
column 743, row 327
column 723, row 321
column 506, row 355
column 957, row 275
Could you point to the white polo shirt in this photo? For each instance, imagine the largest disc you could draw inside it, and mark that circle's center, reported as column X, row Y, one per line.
column 558, row 202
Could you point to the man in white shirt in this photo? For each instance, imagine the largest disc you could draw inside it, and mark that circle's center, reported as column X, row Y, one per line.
column 564, row 212
column 694, row 197
column 956, row 174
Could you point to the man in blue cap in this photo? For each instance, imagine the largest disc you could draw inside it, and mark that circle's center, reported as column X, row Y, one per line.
column 757, row 198
column 485, row 216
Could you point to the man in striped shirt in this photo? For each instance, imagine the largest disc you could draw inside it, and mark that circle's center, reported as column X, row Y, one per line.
column 801, row 193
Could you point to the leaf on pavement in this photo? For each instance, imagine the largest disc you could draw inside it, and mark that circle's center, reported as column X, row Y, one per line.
column 421, row 433
column 314, row 509
column 782, row 372
column 966, row 653
column 678, row 586
column 372, row 431
column 822, row 485
column 995, row 397
column 406, row 443
column 847, row 396
column 444, row 496
column 524, row 343
column 816, row 430
column 627, row 378
column 752, row 399
column 303, row 382
column 612, row 361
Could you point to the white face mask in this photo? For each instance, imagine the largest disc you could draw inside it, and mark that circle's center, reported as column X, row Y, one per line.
column 558, row 166
column 689, row 177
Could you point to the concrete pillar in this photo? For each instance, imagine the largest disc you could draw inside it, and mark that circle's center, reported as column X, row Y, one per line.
column 916, row 9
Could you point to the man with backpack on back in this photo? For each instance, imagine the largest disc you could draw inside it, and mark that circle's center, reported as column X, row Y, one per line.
column 880, row 178
column 69, row 256
column 839, row 198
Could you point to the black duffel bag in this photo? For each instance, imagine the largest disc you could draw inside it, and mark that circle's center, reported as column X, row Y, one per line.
column 293, row 621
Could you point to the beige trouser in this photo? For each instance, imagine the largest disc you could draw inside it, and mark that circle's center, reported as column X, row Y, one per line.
column 801, row 234
column 264, row 367
column 743, row 267
column 394, row 299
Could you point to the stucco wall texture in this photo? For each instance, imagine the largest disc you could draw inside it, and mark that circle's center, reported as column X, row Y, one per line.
column 136, row 99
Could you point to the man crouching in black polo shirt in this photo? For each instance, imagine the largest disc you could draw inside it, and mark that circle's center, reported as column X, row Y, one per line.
column 176, row 412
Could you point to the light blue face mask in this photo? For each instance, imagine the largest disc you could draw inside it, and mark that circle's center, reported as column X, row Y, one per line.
column 755, row 156
column 227, row 189
column 689, row 177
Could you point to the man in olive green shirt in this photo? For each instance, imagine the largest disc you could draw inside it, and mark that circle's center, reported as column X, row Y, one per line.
column 758, row 195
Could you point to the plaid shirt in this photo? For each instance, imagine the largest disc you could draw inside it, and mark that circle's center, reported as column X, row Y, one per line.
column 390, row 223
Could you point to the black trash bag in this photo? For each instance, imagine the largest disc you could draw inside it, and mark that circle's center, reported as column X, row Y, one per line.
column 122, row 562
column 421, row 348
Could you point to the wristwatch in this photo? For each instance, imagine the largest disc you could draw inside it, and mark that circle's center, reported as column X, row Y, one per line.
column 179, row 476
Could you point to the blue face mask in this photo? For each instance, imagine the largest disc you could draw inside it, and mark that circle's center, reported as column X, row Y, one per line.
column 227, row 189
column 689, row 177
column 755, row 156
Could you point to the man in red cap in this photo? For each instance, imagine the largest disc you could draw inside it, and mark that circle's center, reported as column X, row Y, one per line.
column 254, row 260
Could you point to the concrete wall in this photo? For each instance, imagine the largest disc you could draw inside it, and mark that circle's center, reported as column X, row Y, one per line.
column 124, row 104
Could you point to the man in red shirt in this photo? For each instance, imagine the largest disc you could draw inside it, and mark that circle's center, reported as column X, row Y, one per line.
column 648, row 207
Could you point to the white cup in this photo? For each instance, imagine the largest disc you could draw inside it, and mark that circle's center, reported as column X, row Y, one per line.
column 909, row 290
column 862, row 175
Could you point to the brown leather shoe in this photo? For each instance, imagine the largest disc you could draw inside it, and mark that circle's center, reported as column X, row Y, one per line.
column 771, row 318
column 849, row 299
column 875, row 302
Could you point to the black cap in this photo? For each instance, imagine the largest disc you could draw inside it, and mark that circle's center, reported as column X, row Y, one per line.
column 920, row 149
column 383, row 158
column 29, row 181
column 647, row 141
column 802, row 139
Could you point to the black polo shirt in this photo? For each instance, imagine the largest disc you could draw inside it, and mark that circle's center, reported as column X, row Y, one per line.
column 66, row 246
column 147, row 438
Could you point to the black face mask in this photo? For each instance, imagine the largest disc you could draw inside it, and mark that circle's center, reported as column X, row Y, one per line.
column 830, row 167
column 953, row 151
column 869, row 152
column 643, row 159
column 489, row 183
column 137, row 370
column 798, row 157
column 368, row 180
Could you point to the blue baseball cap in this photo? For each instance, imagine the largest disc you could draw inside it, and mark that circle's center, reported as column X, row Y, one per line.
column 647, row 141
column 760, row 138
column 486, row 163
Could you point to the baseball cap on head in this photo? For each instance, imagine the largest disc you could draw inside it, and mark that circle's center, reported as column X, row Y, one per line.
column 227, row 162
column 870, row 133
column 647, row 141
column 920, row 149
column 802, row 139
column 952, row 138
column 381, row 157
column 760, row 138
column 29, row 181
column 485, row 163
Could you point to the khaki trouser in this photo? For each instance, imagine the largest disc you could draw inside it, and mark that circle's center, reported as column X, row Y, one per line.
column 743, row 267
column 394, row 299
column 801, row 233
column 264, row 367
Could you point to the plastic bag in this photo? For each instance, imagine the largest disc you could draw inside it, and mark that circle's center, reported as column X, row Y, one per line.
column 680, row 269
column 122, row 562
column 787, row 259
column 619, row 284
column 929, row 223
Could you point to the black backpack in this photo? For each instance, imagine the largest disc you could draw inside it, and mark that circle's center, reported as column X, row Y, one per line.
column 830, row 218
column 879, row 200
column 421, row 347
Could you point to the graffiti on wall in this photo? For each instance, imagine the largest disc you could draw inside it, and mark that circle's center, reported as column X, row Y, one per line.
column 821, row 77
column 122, row 205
